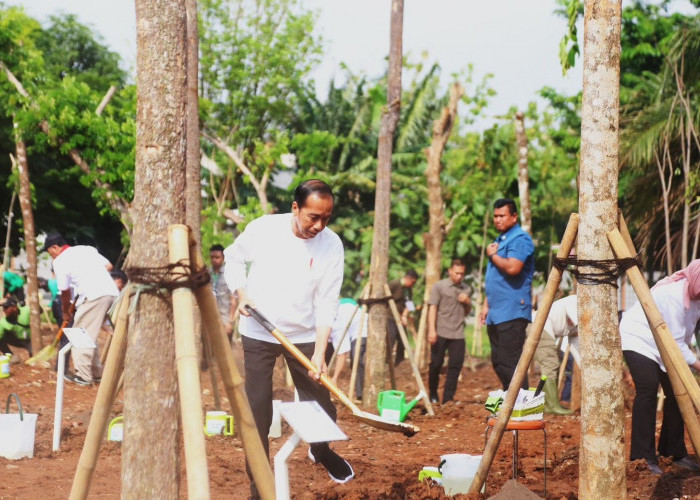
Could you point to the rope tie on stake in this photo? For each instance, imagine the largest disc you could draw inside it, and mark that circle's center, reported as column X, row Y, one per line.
column 375, row 300
column 604, row 271
column 162, row 280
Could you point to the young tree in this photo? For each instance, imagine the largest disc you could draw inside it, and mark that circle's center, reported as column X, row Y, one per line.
column 523, row 174
column 602, row 452
column 150, row 461
column 379, row 264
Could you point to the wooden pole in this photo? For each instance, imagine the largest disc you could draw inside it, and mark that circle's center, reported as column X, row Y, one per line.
column 684, row 385
column 187, row 363
column 562, row 369
column 342, row 338
column 523, row 364
column 358, row 345
column 103, row 404
column 233, row 383
column 209, row 357
column 409, row 353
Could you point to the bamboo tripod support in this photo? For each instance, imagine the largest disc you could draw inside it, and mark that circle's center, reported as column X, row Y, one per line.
column 112, row 376
column 684, row 385
column 103, row 403
column 358, row 345
column 525, row 358
column 409, row 352
column 342, row 338
column 187, row 363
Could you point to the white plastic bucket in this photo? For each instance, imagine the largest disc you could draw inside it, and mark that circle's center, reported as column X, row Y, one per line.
column 4, row 365
column 458, row 471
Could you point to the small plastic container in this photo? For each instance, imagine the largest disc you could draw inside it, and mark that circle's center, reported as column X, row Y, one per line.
column 5, row 365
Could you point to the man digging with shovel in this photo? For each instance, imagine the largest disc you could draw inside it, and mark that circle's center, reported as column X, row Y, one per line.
column 291, row 267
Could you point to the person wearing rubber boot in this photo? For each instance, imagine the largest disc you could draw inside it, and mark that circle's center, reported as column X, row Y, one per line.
column 562, row 321
column 290, row 268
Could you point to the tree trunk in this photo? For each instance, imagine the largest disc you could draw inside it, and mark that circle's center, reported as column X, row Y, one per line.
column 25, row 203
column 602, row 453
column 379, row 264
column 434, row 238
column 150, row 460
column 523, row 176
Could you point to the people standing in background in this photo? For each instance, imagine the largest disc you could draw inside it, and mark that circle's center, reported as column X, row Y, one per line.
column 678, row 300
column 508, row 306
column 401, row 292
column 448, row 306
column 225, row 299
column 14, row 326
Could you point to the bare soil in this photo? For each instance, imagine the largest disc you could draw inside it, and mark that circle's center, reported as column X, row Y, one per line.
column 386, row 464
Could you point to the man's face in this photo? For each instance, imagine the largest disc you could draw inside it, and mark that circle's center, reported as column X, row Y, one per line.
column 409, row 281
column 313, row 217
column 456, row 273
column 217, row 259
column 120, row 283
column 503, row 219
column 11, row 312
column 54, row 251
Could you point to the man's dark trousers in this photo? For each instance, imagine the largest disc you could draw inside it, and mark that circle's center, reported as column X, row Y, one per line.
column 455, row 360
column 259, row 361
column 507, row 340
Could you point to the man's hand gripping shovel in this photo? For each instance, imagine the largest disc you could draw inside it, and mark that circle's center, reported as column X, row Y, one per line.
column 51, row 350
column 367, row 418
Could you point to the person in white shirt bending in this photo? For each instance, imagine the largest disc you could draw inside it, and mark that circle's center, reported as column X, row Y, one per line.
column 81, row 269
column 290, row 267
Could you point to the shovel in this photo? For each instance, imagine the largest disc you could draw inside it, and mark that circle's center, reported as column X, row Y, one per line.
column 51, row 350
column 363, row 416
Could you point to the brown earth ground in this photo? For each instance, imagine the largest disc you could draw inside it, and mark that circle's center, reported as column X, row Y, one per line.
column 386, row 464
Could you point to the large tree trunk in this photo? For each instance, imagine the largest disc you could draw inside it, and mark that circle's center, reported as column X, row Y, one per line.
column 25, row 203
column 150, row 460
column 434, row 238
column 523, row 175
column 379, row 264
column 602, row 452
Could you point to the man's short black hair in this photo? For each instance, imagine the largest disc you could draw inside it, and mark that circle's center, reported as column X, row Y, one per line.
column 412, row 274
column 53, row 239
column 119, row 274
column 457, row 262
column 9, row 302
column 216, row 248
column 309, row 187
column 506, row 202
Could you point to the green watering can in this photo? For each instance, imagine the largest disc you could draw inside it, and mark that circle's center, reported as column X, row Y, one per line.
column 392, row 404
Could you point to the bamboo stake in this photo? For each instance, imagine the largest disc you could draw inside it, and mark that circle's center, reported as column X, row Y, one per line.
column 233, row 383
column 187, row 363
column 103, row 404
column 684, row 385
column 529, row 348
column 409, row 353
column 562, row 369
column 358, row 345
column 209, row 357
column 421, row 338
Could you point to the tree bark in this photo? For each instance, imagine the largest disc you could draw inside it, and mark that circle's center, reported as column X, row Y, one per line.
column 523, row 175
column 379, row 264
column 150, row 460
column 434, row 238
column 25, row 203
column 602, row 456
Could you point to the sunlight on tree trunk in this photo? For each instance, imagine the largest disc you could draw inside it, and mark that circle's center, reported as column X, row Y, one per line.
column 376, row 340
column 150, row 460
column 602, row 460
column 25, row 203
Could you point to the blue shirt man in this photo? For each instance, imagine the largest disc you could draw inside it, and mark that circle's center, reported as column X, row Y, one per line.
column 507, row 308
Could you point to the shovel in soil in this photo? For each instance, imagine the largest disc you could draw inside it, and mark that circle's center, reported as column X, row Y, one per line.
column 367, row 418
column 51, row 350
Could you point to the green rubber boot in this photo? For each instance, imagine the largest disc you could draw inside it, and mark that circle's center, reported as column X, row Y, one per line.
column 551, row 399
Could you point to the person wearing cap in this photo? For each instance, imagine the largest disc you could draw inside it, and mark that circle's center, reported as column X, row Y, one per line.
column 82, row 269
column 14, row 327
column 14, row 286
column 678, row 300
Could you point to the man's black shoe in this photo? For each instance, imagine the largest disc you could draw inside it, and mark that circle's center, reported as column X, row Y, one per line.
column 338, row 468
column 76, row 379
column 687, row 463
column 654, row 467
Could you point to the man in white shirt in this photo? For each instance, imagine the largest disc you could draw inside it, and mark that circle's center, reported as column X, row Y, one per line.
column 290, row 267
column 82, row 269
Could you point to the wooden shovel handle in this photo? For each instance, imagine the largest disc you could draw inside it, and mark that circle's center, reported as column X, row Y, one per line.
column 294, row 350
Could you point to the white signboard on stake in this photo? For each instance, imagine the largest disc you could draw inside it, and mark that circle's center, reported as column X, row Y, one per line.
column 311, row 422
column 79, row 338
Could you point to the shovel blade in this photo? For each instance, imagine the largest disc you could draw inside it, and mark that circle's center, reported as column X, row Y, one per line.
column 45, row 354
column 386, row 425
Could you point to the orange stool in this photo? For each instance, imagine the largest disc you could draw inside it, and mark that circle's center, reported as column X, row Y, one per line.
column 517, row 426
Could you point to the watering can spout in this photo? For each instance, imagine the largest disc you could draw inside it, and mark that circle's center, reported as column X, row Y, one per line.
column 411, row 404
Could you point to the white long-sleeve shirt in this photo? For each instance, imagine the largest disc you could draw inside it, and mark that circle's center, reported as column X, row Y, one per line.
column 634, row 328
column 295, row 282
